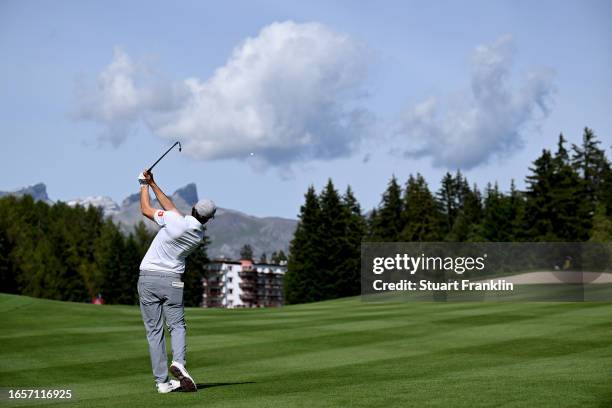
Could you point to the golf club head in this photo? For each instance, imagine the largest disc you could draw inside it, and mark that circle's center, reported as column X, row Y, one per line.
column 180, row 147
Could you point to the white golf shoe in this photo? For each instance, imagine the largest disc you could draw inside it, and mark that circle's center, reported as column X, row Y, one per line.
column 179, row 371
column 164, row 388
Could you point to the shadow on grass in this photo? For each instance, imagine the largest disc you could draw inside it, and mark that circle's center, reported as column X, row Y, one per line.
column 203, row 386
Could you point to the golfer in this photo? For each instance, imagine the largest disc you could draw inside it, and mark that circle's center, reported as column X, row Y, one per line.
column 160, row 286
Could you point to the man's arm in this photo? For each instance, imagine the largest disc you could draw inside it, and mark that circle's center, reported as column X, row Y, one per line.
column 163, row 199
column 145, row 202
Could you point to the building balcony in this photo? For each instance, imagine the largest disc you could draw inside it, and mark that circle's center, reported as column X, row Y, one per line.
column 247, row 297
column 247, row 285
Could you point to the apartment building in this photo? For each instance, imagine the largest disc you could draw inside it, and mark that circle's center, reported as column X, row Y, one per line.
column 243, row 283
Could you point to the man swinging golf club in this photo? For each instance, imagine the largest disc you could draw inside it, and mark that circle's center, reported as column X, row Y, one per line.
column 160, row 286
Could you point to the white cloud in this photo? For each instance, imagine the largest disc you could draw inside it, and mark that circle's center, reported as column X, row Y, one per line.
column 115, row 101
column 291, row 93
column 125, row 92
column 487, row 122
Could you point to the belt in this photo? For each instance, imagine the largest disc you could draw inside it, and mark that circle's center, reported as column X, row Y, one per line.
column 158, row 274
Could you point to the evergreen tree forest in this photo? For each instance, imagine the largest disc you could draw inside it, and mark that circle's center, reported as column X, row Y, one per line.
column 75, row 254
column 567, row 197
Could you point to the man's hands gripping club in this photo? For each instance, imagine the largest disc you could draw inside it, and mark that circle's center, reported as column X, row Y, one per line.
column 146, row 180
column 147, row 177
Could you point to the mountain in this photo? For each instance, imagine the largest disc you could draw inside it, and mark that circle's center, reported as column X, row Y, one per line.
column 228, row 231
column 107, row 204
column 231, row 229
column 129, row 212
column 37, row 191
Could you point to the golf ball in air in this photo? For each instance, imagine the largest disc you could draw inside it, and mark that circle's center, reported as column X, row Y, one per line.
column 252, row 154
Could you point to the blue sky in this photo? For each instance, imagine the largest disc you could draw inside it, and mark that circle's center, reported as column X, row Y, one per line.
column 92, row 92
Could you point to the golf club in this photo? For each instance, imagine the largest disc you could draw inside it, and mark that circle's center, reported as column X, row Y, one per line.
column 163, row 155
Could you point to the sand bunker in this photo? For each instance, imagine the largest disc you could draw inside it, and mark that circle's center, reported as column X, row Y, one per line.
column 558, row 277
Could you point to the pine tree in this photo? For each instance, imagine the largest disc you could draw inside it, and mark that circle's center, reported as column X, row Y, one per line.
column 516, row 202
column 263, row 259
column 62, row 280
column 573, row 214
column 143, row 238
column 305, row 249
column 324, row 261
column 108, row 259
column 497, row 224
column 371, row 220
column 422, row 220
column 332, row 234
column 606, row 193
column 539, row 211
column 278, row 258
column 556, row 209
column 388, row 223
column 194, row 272
column 466, row 226
column 8, row 283
column 85, row 238
column 31, row 245
column 246, row 252
column 46, row 272
column 591, row 163
column 451, row 197
column 127, row 281
column 348, row 280
column 281, row 257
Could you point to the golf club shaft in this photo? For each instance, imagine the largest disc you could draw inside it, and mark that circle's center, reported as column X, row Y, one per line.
column 163, row 155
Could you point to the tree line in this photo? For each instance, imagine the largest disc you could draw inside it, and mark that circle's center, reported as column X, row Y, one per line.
column 567, row 197
column 74, row 253
column 277, row 257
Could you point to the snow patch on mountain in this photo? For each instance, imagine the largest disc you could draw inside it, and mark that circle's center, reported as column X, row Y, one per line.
column 105, row 203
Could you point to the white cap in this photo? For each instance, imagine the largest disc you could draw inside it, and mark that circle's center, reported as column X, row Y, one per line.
column 205, row 208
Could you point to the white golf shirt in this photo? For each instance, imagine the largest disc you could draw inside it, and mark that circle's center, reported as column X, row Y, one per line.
column 176, row 239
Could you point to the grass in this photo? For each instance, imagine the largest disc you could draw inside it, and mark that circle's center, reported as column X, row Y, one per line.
column 341, row 353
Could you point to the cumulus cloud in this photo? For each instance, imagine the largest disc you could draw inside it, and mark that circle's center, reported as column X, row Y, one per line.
column 125, row 92
column 286, row 94
column 292, row 93
column 115, row 101
column 488, row 121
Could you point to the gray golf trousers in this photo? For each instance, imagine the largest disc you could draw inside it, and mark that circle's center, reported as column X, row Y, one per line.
column 161, row 298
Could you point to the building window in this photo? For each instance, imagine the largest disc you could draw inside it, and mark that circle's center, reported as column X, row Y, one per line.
column 229, row 280
column 231, row 291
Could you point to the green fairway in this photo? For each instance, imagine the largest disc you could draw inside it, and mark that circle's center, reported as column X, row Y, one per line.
column 341, row 353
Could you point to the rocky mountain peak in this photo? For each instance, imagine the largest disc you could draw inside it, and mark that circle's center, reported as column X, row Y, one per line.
column 189, row 194
column 37, row 191
column 131, row 199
